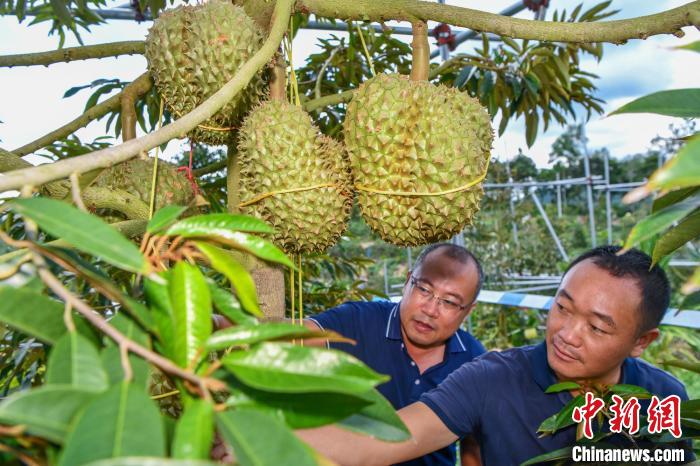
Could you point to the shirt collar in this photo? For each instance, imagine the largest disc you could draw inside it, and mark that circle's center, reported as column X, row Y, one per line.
column 544, row 376
column 455, row 344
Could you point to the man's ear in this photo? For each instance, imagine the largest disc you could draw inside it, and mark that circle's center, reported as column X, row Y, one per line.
column 643, row 341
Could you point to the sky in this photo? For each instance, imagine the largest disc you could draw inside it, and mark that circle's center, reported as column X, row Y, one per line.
column 32, row 103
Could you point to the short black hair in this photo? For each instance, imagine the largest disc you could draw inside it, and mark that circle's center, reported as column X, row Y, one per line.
column 652, row 281
column 459, row 254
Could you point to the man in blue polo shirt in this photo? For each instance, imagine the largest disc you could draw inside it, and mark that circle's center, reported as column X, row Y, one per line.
column 605, row 313
column 418, row 342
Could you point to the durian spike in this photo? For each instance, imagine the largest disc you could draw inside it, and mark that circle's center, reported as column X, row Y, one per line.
column 421, row 52
column 278, row 79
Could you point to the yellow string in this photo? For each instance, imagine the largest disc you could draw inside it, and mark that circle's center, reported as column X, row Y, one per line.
column 155, row 167
column 293, row 75
column 286, row 191
column 291, row 290
column 364, row 47
column 439, row 193
column 301, row 300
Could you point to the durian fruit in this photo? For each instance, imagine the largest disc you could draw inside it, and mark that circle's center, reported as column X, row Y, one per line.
column 135, row 177
column 406, row 136
column 280, row 149
column 192, row 51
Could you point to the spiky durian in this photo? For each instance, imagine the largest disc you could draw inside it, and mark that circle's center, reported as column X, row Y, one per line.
column 192, row 51
column 281, row 150
column 413, row 137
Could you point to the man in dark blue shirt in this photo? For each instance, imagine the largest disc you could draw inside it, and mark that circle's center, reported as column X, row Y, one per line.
column 605, row 313
column 418, row 342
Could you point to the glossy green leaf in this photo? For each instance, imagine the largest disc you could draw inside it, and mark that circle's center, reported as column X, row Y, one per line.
column 684, row 103
column 656, row 223
column 378, row 420
column 681, row 171
column 693, row 46
column 191, row 307
column 227, row 304
column 36, row 315
column 256, row 246
column 249, row 334
column 673, row 197
column 280, row 367
column 297, row 410
column 194, row 431
column 75, row 361
column 83, row 231
column 692, row 301
column 261, row 440
column 112, row 362
column 121, row 422
column 150, row 461
column 218, row 226
column 556, row 455
column 562, row 387
column 237, row 274
column 129, row 329
column 159, row 299
column 561, row 419
column 46, row 411
column 164, row 217
column 630, row 390
column 687, row 229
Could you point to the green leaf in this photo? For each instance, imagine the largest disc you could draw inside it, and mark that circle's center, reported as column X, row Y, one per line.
column 75, row 361
column 227, row 304
column 237, row 274
column 256, row 246
column 560, row 454
column 62, row 12
column 261, row 440
column 672, row 197
column 36, row 315
column 562, row 387
column 164, row 217
column 85, row 232
column 632, row 390
column 191, row 308
column 684, row 103
column 159, row 298
column 688, row 229
column 112, row 362
column 692, row 301
column 531, row 123
column 561, row 419
column 681, row 171
column 297, row 410
column 45, row 411
column 194, row 431
column 218, row 226
column 150, row 461
column 279, row 367
column 121, row 422
column 661, row 220
column 378, row 420
column 249, row 334
column 693, row 46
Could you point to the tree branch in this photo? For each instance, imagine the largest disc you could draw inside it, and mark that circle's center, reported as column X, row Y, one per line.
column 129, row 96
column 10, row 161
column 74, row 53
column 99, row 110
column 113, row 155
column 325, row 101
column 667, row 22
column 211, row 168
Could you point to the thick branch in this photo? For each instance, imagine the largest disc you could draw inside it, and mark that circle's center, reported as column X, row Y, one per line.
column 130, row 95
column 421, row 52
column 74, row 53
column 211, row 168
column 667, row 22
column 132, row 206
column 179, row 128
column 325, row 101
column 10, row 161
column 99, row 110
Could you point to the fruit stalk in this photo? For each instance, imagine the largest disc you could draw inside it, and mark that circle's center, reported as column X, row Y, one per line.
column 421, row 52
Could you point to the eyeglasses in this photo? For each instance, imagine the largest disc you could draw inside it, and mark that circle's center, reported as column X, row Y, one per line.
column 428, row 295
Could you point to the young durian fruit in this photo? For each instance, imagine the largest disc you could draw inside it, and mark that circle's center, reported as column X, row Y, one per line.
column 405, row 135
column 192, row 51
column 281, row 150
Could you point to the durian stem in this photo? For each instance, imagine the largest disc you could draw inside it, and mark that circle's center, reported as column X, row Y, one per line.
column 233, row 180
column 85, row 52
column 107, row 157
column 278, row 79
column 421, row 52
column 129, row 96
column 99, row 110
column 130, row 205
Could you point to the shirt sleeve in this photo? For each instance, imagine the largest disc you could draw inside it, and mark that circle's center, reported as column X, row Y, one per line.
column 341, row 319
column 459, row 400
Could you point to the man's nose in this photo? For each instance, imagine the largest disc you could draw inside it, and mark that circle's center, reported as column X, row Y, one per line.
column 571, row 333
column 431, row 308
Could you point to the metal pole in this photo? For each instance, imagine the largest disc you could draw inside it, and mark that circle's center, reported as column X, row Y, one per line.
column 409, row 257
column 538, row 204
column 558, row 197
column 589, row 186
column 608, row 203
column 386, row 279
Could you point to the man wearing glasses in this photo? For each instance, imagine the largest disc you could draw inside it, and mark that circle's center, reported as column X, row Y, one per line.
column 418, row 342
